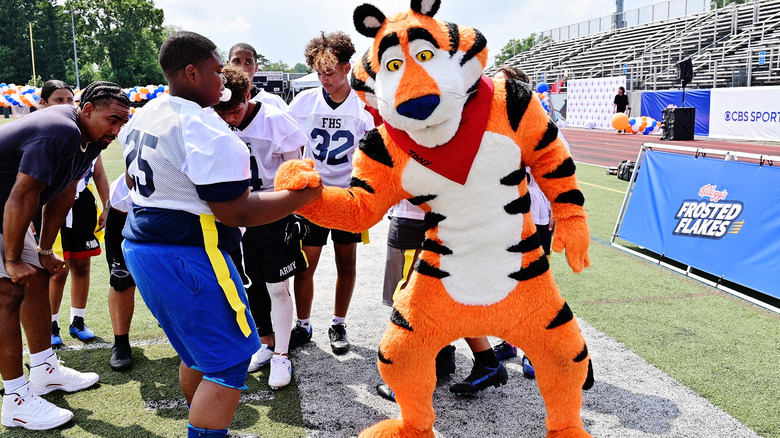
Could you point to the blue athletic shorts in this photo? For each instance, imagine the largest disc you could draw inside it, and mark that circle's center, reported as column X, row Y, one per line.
column 179, row 285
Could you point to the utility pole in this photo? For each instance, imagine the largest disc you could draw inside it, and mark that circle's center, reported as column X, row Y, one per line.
column 75, row 55
column 32, row 51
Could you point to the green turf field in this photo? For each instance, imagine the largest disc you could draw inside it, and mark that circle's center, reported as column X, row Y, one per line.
column 721, row 347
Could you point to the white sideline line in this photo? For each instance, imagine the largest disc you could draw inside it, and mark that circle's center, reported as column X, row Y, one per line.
column 154, row 405
column 106, row 345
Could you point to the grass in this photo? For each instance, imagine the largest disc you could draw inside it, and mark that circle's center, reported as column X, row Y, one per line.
column 723, row 348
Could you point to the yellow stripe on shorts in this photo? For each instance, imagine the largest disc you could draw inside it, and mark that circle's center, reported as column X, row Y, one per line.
column 364, row 237
column 408, row 260
column 209, row 226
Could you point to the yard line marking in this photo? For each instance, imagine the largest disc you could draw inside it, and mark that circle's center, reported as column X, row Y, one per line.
column 601, row 187
column 153, row 405
column 655, row 298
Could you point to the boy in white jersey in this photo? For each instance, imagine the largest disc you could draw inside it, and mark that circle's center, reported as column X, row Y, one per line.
column 271, row 253
column 244, row 56
column 189, row 179
column 335, row 120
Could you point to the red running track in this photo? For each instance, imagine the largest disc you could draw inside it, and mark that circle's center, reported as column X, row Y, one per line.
column 607, row 148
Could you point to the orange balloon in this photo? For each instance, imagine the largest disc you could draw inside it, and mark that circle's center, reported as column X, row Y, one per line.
column 620, row 121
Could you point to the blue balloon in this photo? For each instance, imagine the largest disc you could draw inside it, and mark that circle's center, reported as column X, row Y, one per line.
column 542, row 87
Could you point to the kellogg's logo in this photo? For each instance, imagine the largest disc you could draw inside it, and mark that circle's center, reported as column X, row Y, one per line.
column 711, row 220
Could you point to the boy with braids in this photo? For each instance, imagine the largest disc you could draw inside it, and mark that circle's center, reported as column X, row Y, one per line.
column 189, row 177
column 335, row 119
column 42, row 158
column 272, row 252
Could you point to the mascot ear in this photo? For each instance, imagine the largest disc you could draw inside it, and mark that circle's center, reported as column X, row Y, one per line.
column 368, row 19
column 426, row 7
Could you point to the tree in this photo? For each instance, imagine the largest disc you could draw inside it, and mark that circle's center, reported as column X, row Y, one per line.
column 122, row 38
column 262, row 62
column 515, row 46
column 300, row 68
column 276, row 66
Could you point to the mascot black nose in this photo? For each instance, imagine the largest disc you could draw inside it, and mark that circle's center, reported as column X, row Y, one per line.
column 419, row 108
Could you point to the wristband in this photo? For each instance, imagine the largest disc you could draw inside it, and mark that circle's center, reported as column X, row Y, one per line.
column 44, row 252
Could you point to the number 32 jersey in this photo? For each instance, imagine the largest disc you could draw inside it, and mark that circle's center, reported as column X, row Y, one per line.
column 333, row 133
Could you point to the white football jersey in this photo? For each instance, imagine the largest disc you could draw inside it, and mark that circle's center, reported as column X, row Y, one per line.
column 333, row 133
column 172, row 145
column 270, row 99
column 119, row 195
column 268, row 135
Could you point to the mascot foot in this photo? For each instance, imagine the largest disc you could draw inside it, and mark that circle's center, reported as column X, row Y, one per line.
column 395, row 429
column 570, row 432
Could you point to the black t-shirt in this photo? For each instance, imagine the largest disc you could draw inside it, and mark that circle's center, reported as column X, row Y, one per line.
column 621, row 102
column 46, row 146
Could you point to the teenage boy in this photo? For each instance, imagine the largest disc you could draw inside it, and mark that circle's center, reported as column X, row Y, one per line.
column 42, row 157
column 335, row 119
column 244, row 56
column 189, row 178
column 272, row 252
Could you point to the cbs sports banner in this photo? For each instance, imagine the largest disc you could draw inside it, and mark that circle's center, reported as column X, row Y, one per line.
column 722, row 217
column 748, row 113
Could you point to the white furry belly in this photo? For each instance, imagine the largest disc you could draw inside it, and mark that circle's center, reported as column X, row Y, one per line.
column 477, row 228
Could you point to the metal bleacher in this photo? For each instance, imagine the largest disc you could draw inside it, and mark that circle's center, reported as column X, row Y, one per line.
column 735, row 45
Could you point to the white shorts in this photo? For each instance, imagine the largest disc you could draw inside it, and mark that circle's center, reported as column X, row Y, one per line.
column 29, row 253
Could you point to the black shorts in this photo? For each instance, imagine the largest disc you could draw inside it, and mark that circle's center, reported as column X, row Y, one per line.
column 318, row 236
column 79, row 241
column 267, row 257
column 406, row 233
column 120, row 278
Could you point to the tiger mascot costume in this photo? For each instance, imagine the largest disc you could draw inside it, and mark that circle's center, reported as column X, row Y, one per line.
column 457, row 144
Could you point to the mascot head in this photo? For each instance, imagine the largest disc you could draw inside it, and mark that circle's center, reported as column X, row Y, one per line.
column 420, row 71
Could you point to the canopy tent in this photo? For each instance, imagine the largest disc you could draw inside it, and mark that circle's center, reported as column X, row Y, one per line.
column 308, row 81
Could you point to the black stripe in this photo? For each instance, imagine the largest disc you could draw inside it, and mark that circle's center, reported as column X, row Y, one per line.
column 382, row 358
column 387, row 41
column 479, row 44
column 521, row 205
column 473, row 88
column 549, row 136
column 571, row 197
column 399, row 320
column 419, row 200
column 534, row 269
column 564, row 315
column 360, row 183
column 367, row 65
column 435, row 247
column 526, row 245
column 358, row 85
column 583, row 354
column 518, row 96
column 452, row 29
column 420, row 33
column 514, row 178
column 424, row 268
column 564, row 170
column 590, row 380
column 374, row 147
column 432, row 219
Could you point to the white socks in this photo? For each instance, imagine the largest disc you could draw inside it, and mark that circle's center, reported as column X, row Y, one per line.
column 13, row 384
column 39, row 358
column 74, row 312
column 339, row 319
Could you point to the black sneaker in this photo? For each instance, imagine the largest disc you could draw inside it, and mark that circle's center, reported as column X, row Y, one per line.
column 121, row 357
column 445, row 362
column 385, row 392
column 299, row 335
column 338, row 338
column 56, row 339
column 481, row 377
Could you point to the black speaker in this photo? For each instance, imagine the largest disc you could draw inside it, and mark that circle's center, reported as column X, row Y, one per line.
column 678, row 123
column 685, row 71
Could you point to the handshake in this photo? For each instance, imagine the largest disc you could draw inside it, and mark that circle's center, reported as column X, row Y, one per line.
column 297, row 175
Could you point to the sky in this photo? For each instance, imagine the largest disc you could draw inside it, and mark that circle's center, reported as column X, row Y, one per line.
column 280, row 29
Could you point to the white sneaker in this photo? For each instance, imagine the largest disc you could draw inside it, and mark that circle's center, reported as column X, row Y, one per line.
column 260, row 358
column 52, row 375
column 23, row 408
column 281, row 372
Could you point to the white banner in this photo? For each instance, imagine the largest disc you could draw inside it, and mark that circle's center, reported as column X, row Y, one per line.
column 745, row 113
column 590, row 101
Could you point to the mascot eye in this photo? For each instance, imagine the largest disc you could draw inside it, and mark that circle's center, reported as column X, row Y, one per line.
column 394, row 65
column 424, row 56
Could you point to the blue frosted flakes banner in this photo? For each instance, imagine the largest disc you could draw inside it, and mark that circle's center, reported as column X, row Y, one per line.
column 722, row 217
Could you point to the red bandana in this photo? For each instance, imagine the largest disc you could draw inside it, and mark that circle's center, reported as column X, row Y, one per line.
column 453, row 159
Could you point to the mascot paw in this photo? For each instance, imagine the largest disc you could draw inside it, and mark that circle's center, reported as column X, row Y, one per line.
column 570, row 432
column 296, row 175
column 573, row 234
column 394, row 429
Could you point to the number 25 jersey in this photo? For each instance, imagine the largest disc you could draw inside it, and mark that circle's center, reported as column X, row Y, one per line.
column 333, row 133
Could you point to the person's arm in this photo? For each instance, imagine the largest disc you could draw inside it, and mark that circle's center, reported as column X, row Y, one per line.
column 259, row 208
column 20, row 208
column 101, row 182
column 54, row 214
